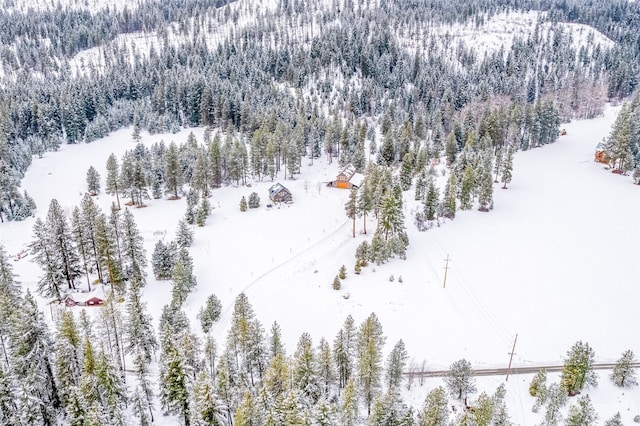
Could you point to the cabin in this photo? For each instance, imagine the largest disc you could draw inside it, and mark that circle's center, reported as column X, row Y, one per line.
column 601, row 154
column 95, row 297
column 279, row 194
column 347, row 178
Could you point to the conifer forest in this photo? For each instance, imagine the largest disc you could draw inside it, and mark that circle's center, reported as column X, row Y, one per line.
column 389, row 88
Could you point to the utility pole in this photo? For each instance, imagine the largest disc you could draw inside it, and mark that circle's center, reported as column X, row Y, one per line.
column 513, row 350
column 446, row 269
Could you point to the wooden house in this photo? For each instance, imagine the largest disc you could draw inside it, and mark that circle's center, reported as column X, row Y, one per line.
column 601, row 154
column 95, row 297
column 279, row 194
column 348, row 178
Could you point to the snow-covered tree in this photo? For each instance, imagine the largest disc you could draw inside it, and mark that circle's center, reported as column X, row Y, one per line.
column 396, row 363
column 460, row 380
column 624, row 372
column 163, row 259
column 435, row 410
column 507, row 168
column 209, row 313
column 369, row 346
column 93, row 181
column 254, row 200
column 243, row 204
column 577, row 370
column 582, row 413
column 184, row 234
column 305, row 371
column 113, row 178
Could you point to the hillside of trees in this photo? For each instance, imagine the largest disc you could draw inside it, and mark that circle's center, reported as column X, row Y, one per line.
column 301, row 68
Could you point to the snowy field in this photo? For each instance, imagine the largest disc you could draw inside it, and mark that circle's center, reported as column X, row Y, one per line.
column 556, row 261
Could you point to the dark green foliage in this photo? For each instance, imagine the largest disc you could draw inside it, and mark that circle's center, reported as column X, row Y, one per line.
column 254, row 200
column 577, row 370
column 209, row 313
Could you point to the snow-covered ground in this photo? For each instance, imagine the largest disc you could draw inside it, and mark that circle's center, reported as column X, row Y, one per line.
column 556, row 261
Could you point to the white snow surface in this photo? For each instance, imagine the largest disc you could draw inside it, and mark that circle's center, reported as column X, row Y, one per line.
column 556, row 261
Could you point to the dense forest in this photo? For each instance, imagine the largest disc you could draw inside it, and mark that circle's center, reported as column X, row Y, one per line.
column 299, row 68
column 275, row 86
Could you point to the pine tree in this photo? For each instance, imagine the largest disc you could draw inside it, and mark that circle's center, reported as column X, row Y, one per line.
column 49, row 284
column 435, row 411
column 203, row 211
column 337, row 284
column 624, row 373
column 82, row 240
column 275, row 341
column 582, row 413
column 431, row 200
column 557, row 399
column 326, row 370
column 106, row 245
column 370, row 343
column 37, row 396
column 90, row 213
column 450, row 196
column 143, row 396
column 184, row 235
column 614, row 421
column 351, row 209
column 182, row 277
column 67, row 258
column 112, row 389
column 277, row 378
column 467, row 188
column 538, row 389
column 305, row 371
column 460, row 379
column 243, row 204
column 113, row 184
column 344, row 350
column 485, row 188
column 205, row 402
column 93, row 181
column 254, row 200
column 173, row 173
column 67, row 358
column 210, row 313
column 396, row 363
column 577, row 370
column 163, row 259
column 507, row 168
column 201, row 174
column 174, row 393
column 349, row 404
column 138, row 328
column 134, row 257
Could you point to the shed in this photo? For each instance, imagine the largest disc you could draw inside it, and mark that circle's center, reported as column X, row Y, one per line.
column 279, row 194
column 348, row 178
column 601, row 154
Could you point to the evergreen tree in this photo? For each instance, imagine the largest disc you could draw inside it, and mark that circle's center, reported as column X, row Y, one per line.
column 203, row 211
column 275, row 341
column 205, row 402
column 163, row 259
column 370, row 343
column 507, row 168
column 305, row 371
column 138, row 327
column 82, row 240
column 577, row 370
column 201, row 174
column 326, row 370
column 113, row 183
column 192, row 202
column 67, row 359
column 173, row 172
column 460, row 379
column 254, row 200
column 349, row 404
column 337, row 284
column 435, row 411
column 351, row 209
column 614, row 421
column 112, row 389
column 396, row 363
column 582, row 413
column 49, row 284
column 450, row 196
column 209, row 313
column 624, row 373
column 184, row 235
column 66, row 256
column 134, row 257
column 467, row 188
column 174, row 392
column 431, row 200
column 182, row 277
column 243, row 204
column 90, row 213
column 344, row 350
column 106, row 245
column 556, row 400
column 485, row 187
column 93, row 181
column 36, row 392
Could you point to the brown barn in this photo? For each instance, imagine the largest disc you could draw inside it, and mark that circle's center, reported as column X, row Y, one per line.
column 279, row 194
column 601, row 154
column 347, row 178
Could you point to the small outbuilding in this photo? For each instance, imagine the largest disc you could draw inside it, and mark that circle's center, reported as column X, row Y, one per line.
column 601, row 154
column 348, row 178
column 279, row 194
